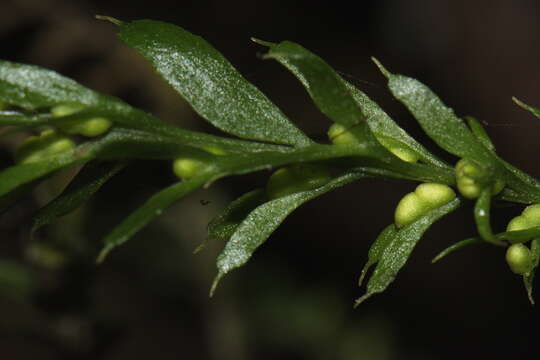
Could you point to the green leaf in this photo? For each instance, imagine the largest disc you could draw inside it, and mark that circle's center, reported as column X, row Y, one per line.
column 19, row 175
column 480, row 133
column 117, row 144
column 382, row 125
column 377, row 248
column 152, row 208
column 85, row 184
column 531, row 109
column 528, row 279
column 396, row 254
column 437, row 120
column 262, row 221
column 459, row 245
column 34, row 88
column 212, row 86
column 31, row 87
column 353, row 155
column 17, row 118
column 326, row 88
column 519, row 236
column 224, row 225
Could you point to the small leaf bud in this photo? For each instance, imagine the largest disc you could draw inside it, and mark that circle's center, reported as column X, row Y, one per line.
column 519, row 259
column 37, row 148
column 469, row 177
column 185, row 167
column 89, row 127
column 426, row 197
column 339, row 135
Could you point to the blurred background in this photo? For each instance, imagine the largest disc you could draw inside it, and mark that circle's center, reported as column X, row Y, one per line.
column 294, row 299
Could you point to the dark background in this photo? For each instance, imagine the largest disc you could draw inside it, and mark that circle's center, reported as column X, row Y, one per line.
column 294, row 299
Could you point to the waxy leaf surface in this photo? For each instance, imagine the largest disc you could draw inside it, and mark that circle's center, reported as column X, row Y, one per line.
column 397, row 252
column 209, row 83
column 261, row 222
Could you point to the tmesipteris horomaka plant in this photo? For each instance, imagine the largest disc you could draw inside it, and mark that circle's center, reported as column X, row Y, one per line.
column 76, row 126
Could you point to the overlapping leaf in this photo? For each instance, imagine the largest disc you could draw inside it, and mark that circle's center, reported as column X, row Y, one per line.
column 225, row 224
column 326, row 88
column 151, row 209
column 437, row 120
column 397, row 252
column 85, row 184
column 36, row 89
column 210, row 83
column 457, row 246
column 377, row 248
column 261, row 222
column 382, row 125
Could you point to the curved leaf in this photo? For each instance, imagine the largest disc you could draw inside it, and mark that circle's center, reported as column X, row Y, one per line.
column 326, row 88
column 262, row 222
column 212, row 86
column 85, row 184
column 437, row 120
column 152, row 208
column 225, row 224
column 396, row 254
column 459, row 245
column 34, row 88
column 480, row 133
column 382, row 125
column 377, row 248
column 482, row 212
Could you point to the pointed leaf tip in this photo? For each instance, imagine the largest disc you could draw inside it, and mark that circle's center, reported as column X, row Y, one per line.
column 215, row 283
column 262, row 42
column 110, row 19
column 361, row 299
column 103, row 254
column 382, row 69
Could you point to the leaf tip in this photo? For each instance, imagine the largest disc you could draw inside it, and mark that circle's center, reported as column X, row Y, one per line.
column 110, row 19
column 363, row 273
column 361, row 299
column 215, row 284
column 103, row 254
column 262, row 42
column 520, row 103
column 382, row 69
column 200, row 247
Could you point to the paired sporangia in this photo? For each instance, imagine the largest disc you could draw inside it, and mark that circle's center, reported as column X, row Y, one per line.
column 77, row 126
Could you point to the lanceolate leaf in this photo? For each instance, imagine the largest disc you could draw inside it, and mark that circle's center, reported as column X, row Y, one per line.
column 31, row 87
column 396, row 254
column 262, row 222
column 34, row 88
column 210, row 83
column 85, row 184
column 480, row 133
column 325, row 87
column 225, row 224
column 146, row 213
column 437, row 120
column 531, row 109
column 459, row 245
column 377, row 249
column 382, row 125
